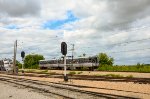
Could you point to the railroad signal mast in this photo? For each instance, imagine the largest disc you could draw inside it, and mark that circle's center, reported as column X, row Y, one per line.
column 64, row 52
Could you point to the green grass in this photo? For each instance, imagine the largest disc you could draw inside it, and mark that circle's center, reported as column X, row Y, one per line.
column 38, row 71
column 135, row 68
column 129, row 76
column 80, row 72
column 44, row 71
column 72, row 73
column 98, row 75
column 114, row 75
column 30, row 70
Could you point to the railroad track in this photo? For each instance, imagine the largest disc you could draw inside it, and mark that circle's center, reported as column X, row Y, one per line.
column 112, row 79
column 60, row 90
column 94, row 78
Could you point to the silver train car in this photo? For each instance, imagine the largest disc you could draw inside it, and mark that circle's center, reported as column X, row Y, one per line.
column 6, row 65
column 90, row 63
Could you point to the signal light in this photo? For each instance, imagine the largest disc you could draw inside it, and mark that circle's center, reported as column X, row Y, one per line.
column 64, row 48
column 22, row 54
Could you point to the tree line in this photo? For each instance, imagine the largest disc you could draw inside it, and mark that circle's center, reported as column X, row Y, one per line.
column 31, row 61
column 106, row 63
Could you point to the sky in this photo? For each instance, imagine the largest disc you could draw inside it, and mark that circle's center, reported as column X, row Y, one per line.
column 120, row 28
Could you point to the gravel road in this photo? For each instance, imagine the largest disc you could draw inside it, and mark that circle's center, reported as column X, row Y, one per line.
column 11, row 91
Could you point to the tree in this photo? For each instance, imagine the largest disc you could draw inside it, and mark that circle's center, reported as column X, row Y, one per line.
column 18, row 64
column 84, row 54
column 32, row 61
column 105, row 60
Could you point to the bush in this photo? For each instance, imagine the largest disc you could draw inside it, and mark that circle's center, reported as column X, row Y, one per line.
column 36, row 66
column 84, row 68
column 80, row 72
column 72, row 73
column 32, row 60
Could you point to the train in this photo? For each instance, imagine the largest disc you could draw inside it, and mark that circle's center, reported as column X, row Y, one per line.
column 89, row 63
column 6, row 65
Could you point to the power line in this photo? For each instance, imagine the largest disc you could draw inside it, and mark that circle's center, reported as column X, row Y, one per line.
column 116, row 44
column 132, row 30
column 132, row 59
column 133, row 41
column 130, row 50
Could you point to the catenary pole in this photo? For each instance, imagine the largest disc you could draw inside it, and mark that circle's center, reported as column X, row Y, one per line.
column 72, row 54
column 14, row 60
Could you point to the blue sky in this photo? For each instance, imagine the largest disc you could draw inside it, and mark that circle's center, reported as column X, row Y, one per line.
column 12, row 26
column 58, row 24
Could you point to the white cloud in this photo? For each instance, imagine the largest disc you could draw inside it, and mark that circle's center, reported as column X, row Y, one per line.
column 17, row 8
column 56, row 9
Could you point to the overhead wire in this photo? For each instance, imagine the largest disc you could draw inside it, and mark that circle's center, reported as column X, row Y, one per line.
column 130, row 50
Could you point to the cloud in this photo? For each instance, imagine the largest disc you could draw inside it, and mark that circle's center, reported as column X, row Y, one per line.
column 57, row 9
column 124, row 12
column 115, row 14
column 19, row 8
column 94, row 26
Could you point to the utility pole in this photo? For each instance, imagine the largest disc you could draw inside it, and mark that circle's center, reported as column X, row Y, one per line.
column 72, row 53
column 14, row 60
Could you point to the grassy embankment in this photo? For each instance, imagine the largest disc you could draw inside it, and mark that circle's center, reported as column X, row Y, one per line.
column 133, row 68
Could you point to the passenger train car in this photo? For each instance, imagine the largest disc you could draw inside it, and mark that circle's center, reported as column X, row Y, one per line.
column 6, row 65
column 78, row 63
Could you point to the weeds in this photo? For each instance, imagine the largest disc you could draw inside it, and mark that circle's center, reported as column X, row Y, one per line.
column 129, row 76
column 80, row 72
column 98, row 75
column 114, row 75
column 72, row 73
column 110, row 75
column 44, row 71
